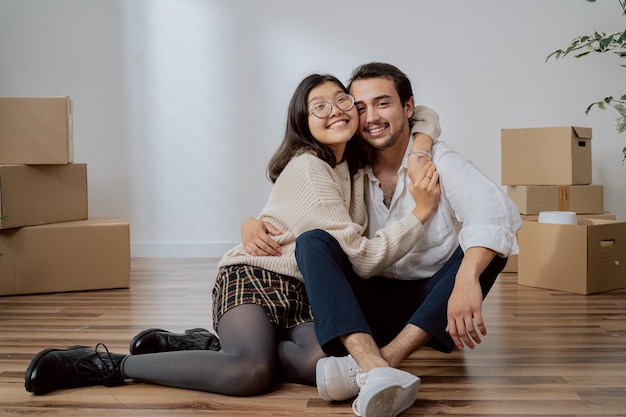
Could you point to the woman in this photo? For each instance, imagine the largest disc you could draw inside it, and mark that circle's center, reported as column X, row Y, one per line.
column 260, row 307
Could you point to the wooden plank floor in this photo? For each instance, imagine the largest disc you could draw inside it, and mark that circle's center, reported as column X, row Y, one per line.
column 547, row 353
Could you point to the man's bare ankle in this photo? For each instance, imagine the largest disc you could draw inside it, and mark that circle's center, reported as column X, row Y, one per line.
column 364, row 350
column 367, row 362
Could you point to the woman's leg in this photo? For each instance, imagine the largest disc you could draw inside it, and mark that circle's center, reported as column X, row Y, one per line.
column 245, row 365
column 298, row 355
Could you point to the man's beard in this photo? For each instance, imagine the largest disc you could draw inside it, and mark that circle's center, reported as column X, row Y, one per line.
column 394, row 137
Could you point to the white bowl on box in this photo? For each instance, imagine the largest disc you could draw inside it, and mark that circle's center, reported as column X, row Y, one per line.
column 558, row 217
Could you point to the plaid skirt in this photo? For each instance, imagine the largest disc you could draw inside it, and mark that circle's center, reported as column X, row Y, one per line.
column 283, row 297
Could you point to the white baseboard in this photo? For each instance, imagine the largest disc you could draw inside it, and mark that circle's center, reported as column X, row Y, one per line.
column 180, row 250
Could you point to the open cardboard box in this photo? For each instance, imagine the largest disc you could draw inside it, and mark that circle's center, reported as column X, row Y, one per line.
column 586, row 258
column 546, row 156
column 512, row 263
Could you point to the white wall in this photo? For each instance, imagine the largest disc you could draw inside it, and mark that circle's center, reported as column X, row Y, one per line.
column 178, row 104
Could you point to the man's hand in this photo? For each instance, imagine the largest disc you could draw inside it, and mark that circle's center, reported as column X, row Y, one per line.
column 257, row 240
column 465, row 318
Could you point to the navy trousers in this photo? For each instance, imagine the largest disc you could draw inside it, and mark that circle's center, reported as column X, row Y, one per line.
column 344, row 303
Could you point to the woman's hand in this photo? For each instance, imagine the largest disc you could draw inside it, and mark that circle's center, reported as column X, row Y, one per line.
column 256, row 238
column 424, row 185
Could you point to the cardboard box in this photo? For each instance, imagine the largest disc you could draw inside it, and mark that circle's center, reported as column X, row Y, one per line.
column 36, row 131
column 40, row 194
column 546, row 156
column 512, row 263
column 584, row 259
column 532, row 199
column 83, row 255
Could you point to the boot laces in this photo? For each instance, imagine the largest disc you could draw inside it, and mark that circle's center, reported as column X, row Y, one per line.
column 105, row 367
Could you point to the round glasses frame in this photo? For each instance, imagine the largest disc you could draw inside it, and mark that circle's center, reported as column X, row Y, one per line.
column 323, row 109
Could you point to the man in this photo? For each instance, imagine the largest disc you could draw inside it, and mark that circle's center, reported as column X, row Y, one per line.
column 436, row 297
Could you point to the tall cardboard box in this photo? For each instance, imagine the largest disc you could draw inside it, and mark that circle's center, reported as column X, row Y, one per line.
column 82, row 255
column 533, row 199
column 586, row 258
column 36, row 130
column 40, row 194
column 546, row 156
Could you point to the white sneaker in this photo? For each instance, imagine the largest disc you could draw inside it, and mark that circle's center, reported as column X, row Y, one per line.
column 385, row 392
column 336, row 378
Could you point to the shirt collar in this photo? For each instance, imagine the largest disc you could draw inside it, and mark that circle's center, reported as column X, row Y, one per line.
column 403, row 166
column 407, row 151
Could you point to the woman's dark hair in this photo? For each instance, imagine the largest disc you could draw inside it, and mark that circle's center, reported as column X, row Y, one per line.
column 390, row 72
column 298, row 137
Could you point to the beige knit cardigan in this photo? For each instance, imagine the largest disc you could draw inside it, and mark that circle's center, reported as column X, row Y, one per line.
column 310, row 194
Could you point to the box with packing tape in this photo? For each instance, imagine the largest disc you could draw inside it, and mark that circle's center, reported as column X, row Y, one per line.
column 546, row 156
column 584, row 258
column 80, row 255
column 582, row 199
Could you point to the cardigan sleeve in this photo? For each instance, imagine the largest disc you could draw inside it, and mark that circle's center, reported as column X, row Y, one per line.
column 426, row 121
column 311, row 195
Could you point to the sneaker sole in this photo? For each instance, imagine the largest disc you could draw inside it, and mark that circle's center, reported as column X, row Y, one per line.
column 392, row 401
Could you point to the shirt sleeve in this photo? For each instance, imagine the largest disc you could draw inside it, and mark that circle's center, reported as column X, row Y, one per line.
column 489, row 218
column 312, row 197
column 427, row 122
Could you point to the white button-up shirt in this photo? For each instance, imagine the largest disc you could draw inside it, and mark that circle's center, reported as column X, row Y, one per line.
column 473, row 211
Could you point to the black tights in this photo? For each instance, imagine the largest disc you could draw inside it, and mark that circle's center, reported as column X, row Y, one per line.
column 251, row 356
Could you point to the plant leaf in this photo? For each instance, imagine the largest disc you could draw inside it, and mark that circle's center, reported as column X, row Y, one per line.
column 621, row 109
column 604, row 43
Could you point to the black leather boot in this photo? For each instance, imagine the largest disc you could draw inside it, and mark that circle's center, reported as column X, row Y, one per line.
column 159, row 340
column 77, row 366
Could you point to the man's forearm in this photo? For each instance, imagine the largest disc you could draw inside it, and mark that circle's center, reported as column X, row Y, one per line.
column 475, row 262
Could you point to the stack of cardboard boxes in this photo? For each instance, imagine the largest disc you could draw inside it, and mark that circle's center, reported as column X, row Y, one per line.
column 47, row 241
column 549, row 169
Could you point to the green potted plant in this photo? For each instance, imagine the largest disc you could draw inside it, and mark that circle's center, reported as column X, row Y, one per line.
column 600, row 43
